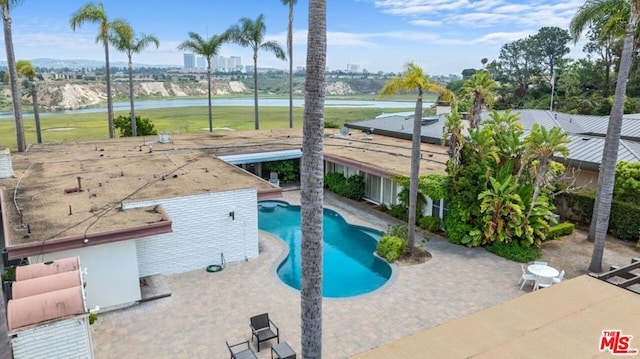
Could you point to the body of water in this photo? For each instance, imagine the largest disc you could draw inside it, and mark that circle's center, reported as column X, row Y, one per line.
column 241, row 102
column 349, row 266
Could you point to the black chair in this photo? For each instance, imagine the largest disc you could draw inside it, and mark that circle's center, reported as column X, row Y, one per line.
column 242, row 354
column 261, row 329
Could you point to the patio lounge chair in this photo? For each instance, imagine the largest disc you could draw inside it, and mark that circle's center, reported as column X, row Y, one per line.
column 242, row 354
column 559, row 278
column 261, row 329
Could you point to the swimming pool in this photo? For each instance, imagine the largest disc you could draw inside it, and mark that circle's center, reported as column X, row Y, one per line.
column 349, row 266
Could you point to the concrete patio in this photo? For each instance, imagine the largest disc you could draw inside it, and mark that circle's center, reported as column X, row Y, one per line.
column 206, row 309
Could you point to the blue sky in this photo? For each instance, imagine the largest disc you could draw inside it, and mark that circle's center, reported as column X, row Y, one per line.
column 442, row 36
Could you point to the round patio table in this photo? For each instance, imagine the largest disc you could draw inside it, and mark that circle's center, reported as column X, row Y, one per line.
column 543, row 270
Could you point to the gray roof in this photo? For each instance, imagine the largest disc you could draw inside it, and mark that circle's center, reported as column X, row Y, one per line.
column 586, row 133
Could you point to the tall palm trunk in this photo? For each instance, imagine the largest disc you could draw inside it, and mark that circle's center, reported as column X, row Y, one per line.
column 311, row 187
column 255, row 89
column 290, row 54
column 415, row 172
column 13, row 78
column 36, row 111
column 606, row 178
column 476, row 112
column 134, row 125
column 209, row 93
column 109, row 96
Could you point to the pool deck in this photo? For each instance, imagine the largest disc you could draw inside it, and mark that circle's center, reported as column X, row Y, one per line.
column 205, row 309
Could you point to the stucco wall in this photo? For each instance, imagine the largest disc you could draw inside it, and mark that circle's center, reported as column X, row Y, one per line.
column 202, row 229
column 112, row 272
column 64, row 339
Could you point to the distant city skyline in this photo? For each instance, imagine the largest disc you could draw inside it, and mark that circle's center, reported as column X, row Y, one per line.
column 442, row 36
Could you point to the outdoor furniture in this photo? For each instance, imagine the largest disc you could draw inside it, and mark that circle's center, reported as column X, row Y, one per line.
column 242, row 354
column 526, row 277
column 559, row 278
column 283, row 351
column 261, row 329
column 543, row 282
column 544, row 275
column 540, row 263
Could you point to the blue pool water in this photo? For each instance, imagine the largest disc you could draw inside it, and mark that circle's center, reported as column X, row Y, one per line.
column 349, row 266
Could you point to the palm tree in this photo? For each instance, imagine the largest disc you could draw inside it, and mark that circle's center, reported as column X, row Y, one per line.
column 541, row 145
column 413, row 79
column 124, row 39
column 290, row 3
column 250, row 33
column 13, row 74
column 93, row 12
column 207, row 48
column 311, row 182
column 613, row 14
column 481, row 88
column 25, row 69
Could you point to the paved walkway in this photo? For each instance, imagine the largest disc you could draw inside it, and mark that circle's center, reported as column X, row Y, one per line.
column 206, row 309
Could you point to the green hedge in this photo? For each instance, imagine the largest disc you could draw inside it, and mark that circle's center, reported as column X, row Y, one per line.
column 624, row 221
column 391, row 248
column 514, row 251
column 559, row 230
column 352, row 187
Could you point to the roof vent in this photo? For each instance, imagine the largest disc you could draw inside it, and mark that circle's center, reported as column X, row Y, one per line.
column 165, row 137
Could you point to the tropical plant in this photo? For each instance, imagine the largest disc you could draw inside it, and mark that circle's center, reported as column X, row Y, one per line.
column 482, row 89
column 250, row 33
column 391, row 248
column 124, row 39
column 7, row 5
column 311, row 186
column 25, row 68
column 614, row 14
column 291, row 4
column 93, row 12
column 455, row 134
column 627, row 182
column 541, row 145
column 207, row 48
column 414, row 79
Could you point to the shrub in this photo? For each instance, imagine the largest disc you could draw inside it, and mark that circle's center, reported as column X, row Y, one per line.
column 352, row 187
column 429, row 223
column 560, row 230
column 391, row 248
column 331, row 124
column 399, row 211
column 144, row 126
column 398, row 230
column 514, row 251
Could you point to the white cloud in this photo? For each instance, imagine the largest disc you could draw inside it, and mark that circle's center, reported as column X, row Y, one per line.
column 426, row 23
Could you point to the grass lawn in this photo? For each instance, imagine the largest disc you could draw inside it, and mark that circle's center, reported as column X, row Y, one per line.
column 88, row 126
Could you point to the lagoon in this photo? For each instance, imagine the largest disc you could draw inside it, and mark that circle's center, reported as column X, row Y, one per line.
column 229, row 102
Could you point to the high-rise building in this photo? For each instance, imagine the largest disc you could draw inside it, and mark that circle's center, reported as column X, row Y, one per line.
column 189, row 61
column 235, row 63
column 201, row 62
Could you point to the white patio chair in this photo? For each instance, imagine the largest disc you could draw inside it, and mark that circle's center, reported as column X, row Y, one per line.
column 540, row 263
column 543, row 282
column 559, row 278
column 525, row 277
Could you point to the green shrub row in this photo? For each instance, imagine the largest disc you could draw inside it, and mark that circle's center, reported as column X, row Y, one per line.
column 514, row 251
column 559, row 230
column 352, row 187
column 624, row 220
column 391, row 248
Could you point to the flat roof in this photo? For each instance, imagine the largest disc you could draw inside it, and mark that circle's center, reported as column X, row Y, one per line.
column 563, row 321
column 55, row 205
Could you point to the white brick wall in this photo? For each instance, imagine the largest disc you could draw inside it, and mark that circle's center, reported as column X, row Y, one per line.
column 64, row 339
column 202, row 229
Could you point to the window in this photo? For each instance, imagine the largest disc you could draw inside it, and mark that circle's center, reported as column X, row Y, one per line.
column 389, row 191
column 372, row 187
column 435, row 208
